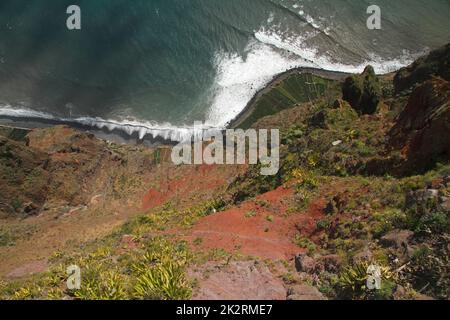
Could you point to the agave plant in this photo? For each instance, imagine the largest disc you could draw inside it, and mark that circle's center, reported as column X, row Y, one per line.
column 160, row 273
column 353, row 279
column 165, row 280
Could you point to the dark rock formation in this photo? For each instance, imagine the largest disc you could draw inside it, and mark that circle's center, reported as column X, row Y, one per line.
column 304, row 263
column 437, row 63
column 363, row 92
column 422, row 130
column 23, row 178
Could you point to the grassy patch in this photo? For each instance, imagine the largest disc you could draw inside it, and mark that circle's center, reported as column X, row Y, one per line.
column 298, row 88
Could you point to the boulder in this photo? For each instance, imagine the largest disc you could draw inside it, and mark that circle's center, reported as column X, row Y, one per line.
column 331, row 209
column 445, row 204
column 243, row 280
column 338, row 104
column 398, row 239
column 304, row 263
column 330, row 263
column 337, row 204
column 423, row 201
column 318, row 120
column 304, row 293
column 363, row 256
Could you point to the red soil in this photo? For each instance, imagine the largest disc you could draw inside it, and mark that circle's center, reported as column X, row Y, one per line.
column 247, row 229
column 189, row 182
column 153, row 199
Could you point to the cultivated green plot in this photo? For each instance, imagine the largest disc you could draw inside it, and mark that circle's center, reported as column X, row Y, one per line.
column 295, row 89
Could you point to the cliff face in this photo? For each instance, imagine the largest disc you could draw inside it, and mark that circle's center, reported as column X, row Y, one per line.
column 57, row 167
column 24, row 180
column 388, row 176
column 437, row 63
column 422, row 130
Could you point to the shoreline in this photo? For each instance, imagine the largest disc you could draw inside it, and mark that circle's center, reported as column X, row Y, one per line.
column 116, row 135
column 250, row 107
column 119, row 136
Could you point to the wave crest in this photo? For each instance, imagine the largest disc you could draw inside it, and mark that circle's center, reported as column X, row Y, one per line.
column 238, row 78
column 165, row 131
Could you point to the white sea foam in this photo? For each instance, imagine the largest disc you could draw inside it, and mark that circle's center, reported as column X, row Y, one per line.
column 296, row 45
column 130, row 127
column 239, row 78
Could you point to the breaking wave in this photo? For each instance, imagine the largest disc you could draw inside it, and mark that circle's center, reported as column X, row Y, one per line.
column 238, row 78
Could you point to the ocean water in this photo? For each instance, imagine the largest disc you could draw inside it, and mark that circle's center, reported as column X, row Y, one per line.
column 157, row 66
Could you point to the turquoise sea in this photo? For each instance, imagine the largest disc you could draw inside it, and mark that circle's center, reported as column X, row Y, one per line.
column 156, row 66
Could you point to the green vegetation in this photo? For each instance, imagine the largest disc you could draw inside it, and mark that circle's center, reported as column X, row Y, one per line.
column 374, row 203
column 168, row 217
column 9, row 235
column 350, row 202
column 363, row 92
column 155, row 269
column 5, row 238
column 251, row 214
column 305, row 243
column 161, row 273
column 352, row 283
column 296, row 89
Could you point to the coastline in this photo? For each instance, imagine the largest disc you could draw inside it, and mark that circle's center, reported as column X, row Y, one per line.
column 116, row 135
column 121, row 137
column 250, row 107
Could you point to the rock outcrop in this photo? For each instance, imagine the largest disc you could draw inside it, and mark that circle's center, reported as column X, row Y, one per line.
column 240, row 281
column 304, row 293
column 422, row 129
column 437, row 63
column 363, row 92
column 62, row 167
column 23, row 178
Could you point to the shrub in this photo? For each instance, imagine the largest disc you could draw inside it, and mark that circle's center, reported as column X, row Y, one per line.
column 250, row 214
column 5, row 238
column 352, row 283
column 323, row 224
column 363, row 92
column 161, row 272
column 305, row 243
column 101, row 284
column 164, row 279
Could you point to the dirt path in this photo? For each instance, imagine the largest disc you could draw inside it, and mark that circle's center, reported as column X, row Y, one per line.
column 260, row 227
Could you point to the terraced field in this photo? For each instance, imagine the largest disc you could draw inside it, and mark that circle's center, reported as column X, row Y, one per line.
column 286, row 92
